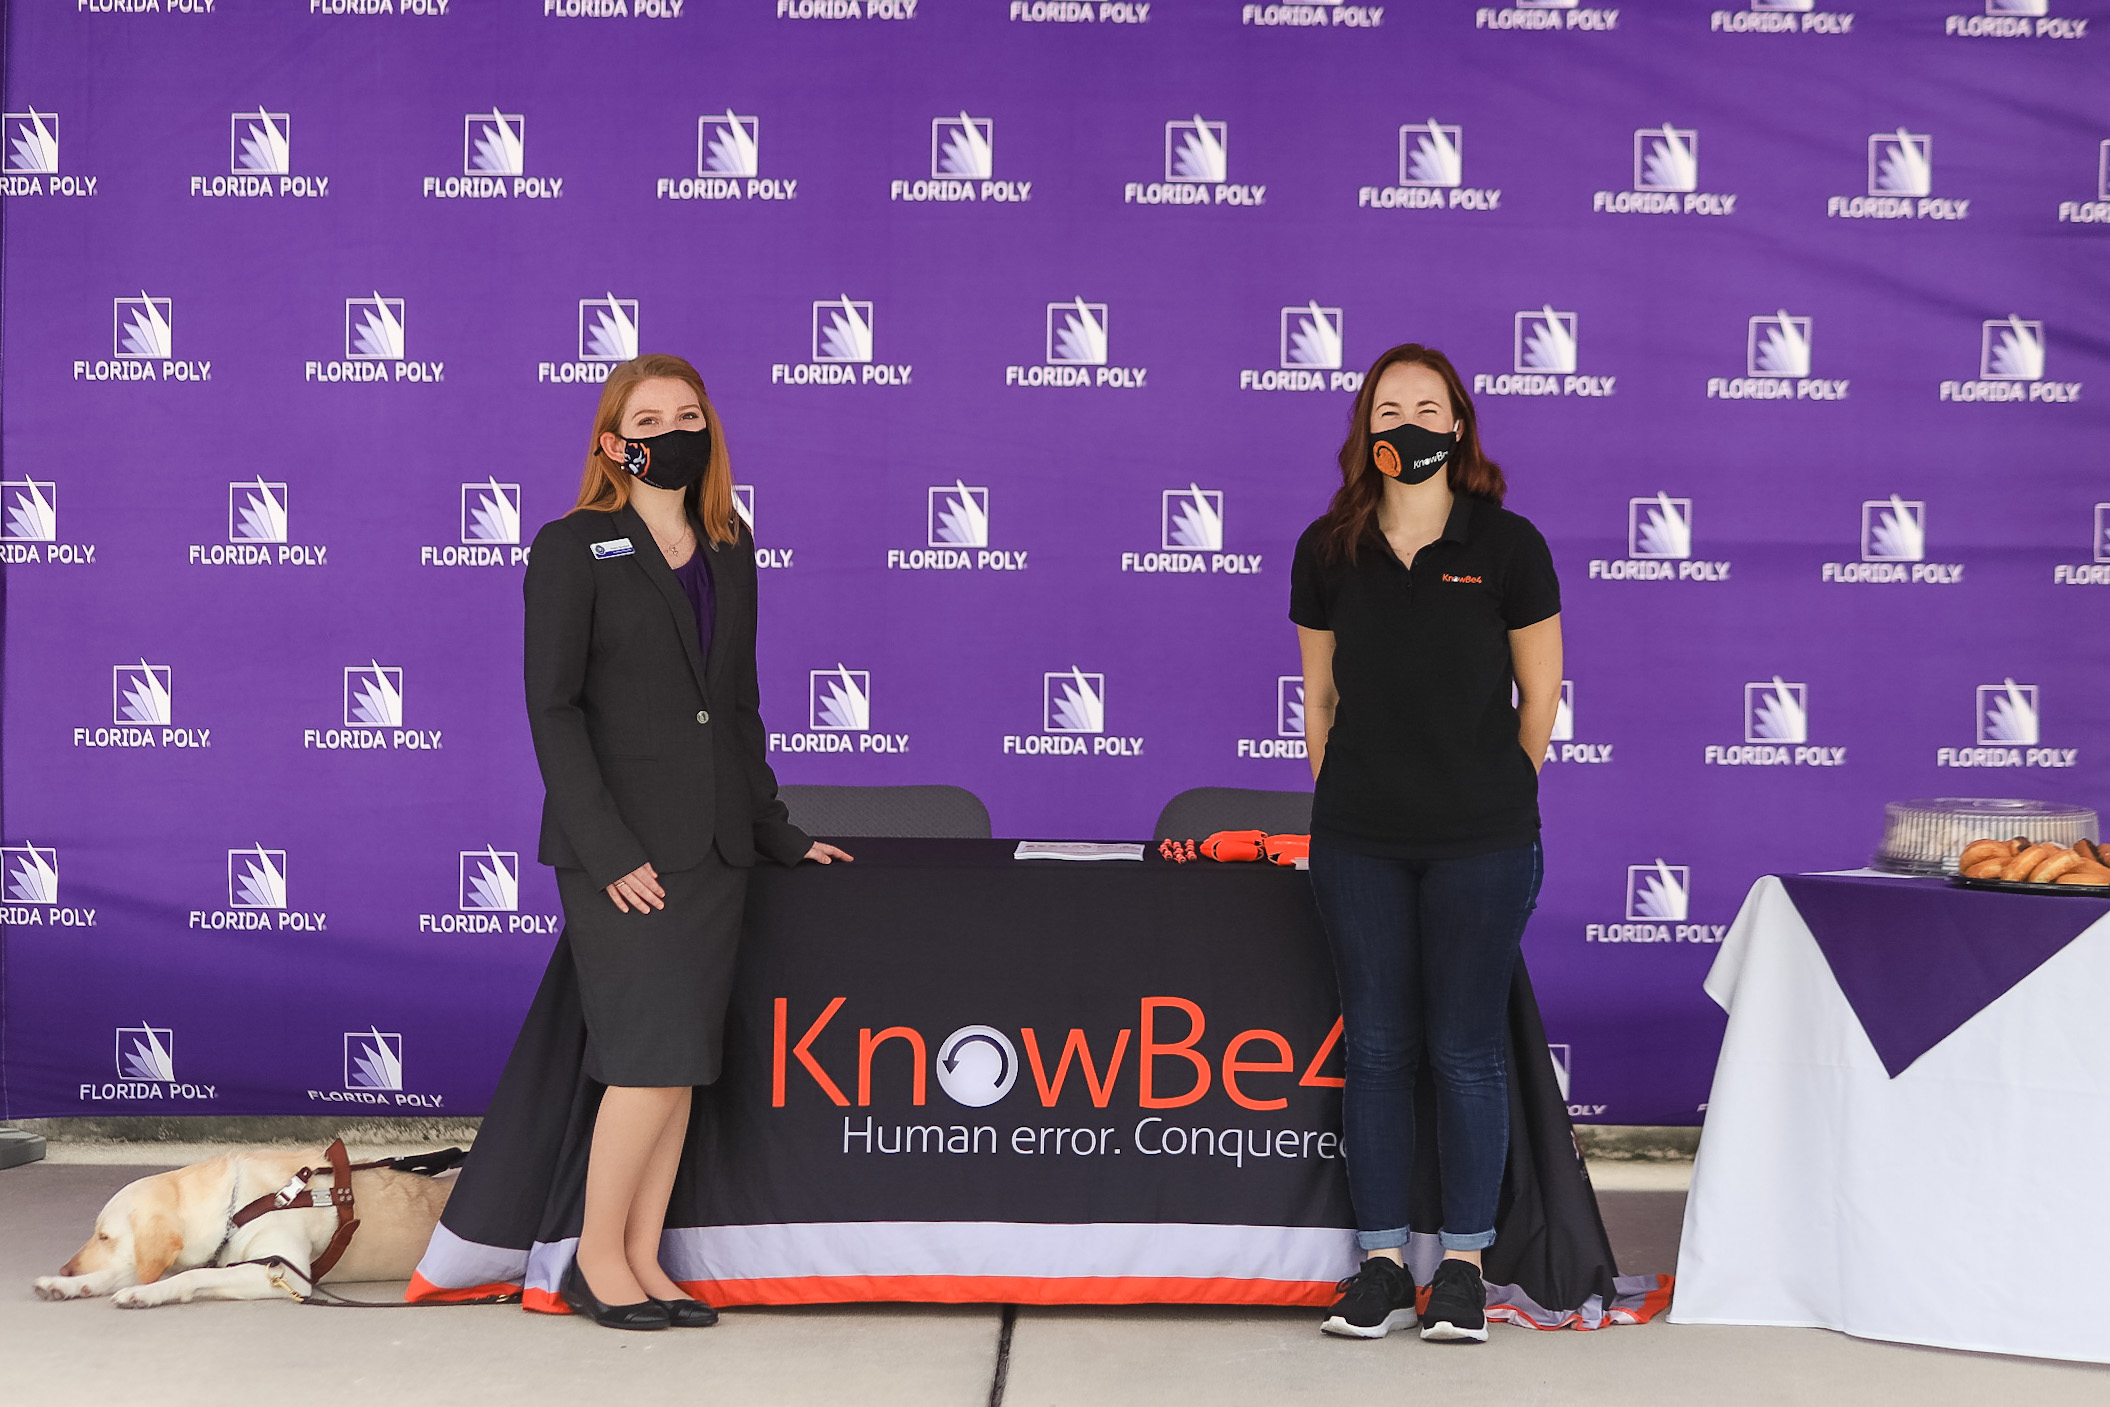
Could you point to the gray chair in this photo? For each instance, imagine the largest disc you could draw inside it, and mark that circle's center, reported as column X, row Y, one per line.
column 951, row 812
column 1202, row 811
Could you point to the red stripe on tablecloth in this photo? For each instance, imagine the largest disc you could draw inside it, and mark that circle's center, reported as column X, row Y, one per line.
column 1011, row 1289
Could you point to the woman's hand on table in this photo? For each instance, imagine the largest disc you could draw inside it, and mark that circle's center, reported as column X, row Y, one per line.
column 827, row 854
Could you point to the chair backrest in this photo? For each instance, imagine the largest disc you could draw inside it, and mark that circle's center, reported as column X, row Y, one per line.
column 912, row 811
column 1203, row 811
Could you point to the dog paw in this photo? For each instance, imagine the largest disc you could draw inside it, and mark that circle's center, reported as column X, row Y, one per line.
column 134, row 1297
column 54, row 1287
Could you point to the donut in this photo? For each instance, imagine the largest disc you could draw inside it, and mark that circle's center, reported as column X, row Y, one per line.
column 1986, row 869
column 2061, row 863
column 2023, row 864
column 2096, row 875
column 1979, row 850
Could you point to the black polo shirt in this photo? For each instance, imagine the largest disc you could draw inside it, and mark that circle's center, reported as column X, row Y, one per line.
column 1423, row 760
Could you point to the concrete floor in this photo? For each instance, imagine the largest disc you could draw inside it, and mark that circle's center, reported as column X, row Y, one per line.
column 212, row 1353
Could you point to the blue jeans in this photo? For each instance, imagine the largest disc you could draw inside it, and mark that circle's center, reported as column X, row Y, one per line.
column 1423, row 951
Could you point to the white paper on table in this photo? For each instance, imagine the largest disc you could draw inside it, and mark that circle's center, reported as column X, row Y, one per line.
column 1074, row 850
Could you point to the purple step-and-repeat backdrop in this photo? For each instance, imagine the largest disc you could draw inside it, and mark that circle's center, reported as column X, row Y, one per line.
column 1034, row 326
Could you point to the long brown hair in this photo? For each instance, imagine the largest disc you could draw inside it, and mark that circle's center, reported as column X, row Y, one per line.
column 1351, row 519
column 605, row 486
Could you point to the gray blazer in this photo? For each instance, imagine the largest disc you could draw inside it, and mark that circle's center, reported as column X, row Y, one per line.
column 648, row 751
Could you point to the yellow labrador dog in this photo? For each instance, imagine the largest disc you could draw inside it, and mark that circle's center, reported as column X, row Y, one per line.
column 169, row 1238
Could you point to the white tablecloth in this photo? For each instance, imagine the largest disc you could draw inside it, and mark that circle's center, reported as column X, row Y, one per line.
column 1962, row 1204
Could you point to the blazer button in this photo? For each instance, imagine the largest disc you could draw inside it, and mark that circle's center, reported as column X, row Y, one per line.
column 703, row 715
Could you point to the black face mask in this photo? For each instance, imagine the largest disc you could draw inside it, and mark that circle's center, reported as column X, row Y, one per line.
column 675, row 459
column 1410, row 453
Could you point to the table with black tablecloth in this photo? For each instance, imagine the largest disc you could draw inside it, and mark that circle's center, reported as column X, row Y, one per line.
column 955, row 1076
column 1909, row 1129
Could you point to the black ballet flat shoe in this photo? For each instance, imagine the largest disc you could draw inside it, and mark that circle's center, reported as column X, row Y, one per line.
column 688, row 1313
column 645, row 1314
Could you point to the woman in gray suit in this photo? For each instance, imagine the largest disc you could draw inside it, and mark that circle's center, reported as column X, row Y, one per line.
column 645, row 711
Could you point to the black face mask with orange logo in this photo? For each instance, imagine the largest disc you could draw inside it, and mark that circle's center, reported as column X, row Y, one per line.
column 673, row 460
column 1410, row 453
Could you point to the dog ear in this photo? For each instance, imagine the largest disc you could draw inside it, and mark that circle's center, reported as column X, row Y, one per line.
column 157, row 1239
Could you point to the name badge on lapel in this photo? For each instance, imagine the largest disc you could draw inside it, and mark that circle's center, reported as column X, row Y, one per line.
column 614, row 547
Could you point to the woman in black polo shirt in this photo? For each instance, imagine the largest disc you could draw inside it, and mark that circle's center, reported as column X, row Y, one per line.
column 1419, row 602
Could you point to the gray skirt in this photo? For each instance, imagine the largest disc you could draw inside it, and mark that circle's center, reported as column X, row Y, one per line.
column 654, row 985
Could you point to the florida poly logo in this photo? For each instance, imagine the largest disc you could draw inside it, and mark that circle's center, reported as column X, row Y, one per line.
column 32, row 511
column 1197, row 169
column 490, row 881
column 1077, row 346
column 607, row 329
column 962, row 166
column 373, row 695
column 1545, row 359
column 1659, row 893
column 256, row 879
column 256, row 511
column 373, row 1059
column 1777, row 364
column 1308, row 354
column 839, row 700
column 1900, row 183
column 144, row 327
column 32, row 147
column 146, row 1053
column 1781, row 17
column 1431, row 173
column 1547, row 14
column 1659, row 528
column 1894, row 547
column 958, row 516
column 1288, row 739
column 2097, row 211
column 2009, row 732
column 976, row 1066
column 2015, row 19
column 491, row 514
column 842, row 330
column 2011, row 367
column 374, row 329
column 1192, row 519
column 30, row 874
column 1776, row 712
column 728, row 164
column 494, row 144
column 260, row 143
column 1073, row 702
column 141, row 693
column 1666, row 178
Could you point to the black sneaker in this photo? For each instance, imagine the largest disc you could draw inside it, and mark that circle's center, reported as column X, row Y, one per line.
column 1457, row 1311
column 1374, row 1301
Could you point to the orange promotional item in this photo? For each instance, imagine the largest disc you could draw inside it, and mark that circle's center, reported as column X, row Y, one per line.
column 1234, row 845
column 1287, row 849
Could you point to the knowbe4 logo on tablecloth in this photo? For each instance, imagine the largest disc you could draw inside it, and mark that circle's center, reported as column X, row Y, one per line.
column 142, row 712
column 494, row 163
column 844, row 343
column 1781, row 17
column 962, row 167
column 1079, row 342
column 1893, row 548
column 956, row 534
column 29, row 157
column 259, row 896
column 1658, row 909
column 1659, row 545
column 143, row 345
column 145, row 1063
column 487, row 898
column 1197, row 169
column 2011, row 367
column 1161, row 1058
column 1777, row 364
column 2015, row 19
column 1900, row 183
column 1072, row 721
column 839, row 717
column 489, row 530
column 1191, row 538
column 29, row 890
column 1309, row 354
column 259, row 530
column 1546, row 361
column 728, row 164
column 1666, row 178
column 1288, row 739
column 1776, row 731
column 373, row 716
column 2009, row 732
column 260, row 162
column 608, row 337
